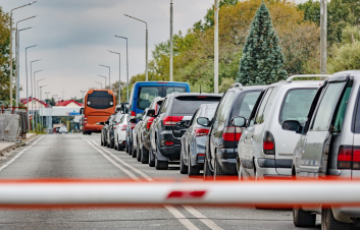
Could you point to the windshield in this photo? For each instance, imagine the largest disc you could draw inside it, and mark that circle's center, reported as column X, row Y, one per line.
column 188, row 105
column 148, row 93
column 100, row 100
column 296, row 104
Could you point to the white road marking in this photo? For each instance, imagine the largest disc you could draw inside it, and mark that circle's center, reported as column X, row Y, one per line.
column 19, row 154
column 130, row 174
column 202, row 218
column 182, row 219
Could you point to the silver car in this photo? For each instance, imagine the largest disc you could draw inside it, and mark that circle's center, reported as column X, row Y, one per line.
column 265, row 150
column 329, row 146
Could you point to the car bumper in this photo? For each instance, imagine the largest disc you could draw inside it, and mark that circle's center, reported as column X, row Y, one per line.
column 227, row 160
column 93, row 128
column 347, row 214
column 270, row 168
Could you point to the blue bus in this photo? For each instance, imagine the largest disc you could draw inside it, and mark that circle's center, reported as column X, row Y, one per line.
column 143, row 93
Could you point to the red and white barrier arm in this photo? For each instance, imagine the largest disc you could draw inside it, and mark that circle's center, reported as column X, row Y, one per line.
column 118, row 193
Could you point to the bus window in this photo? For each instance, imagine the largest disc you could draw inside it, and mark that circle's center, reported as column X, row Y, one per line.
column 100, row 100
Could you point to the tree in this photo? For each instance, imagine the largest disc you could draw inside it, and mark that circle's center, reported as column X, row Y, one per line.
column 262, row 60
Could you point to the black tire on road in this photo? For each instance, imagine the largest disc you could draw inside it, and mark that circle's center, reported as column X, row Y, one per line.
column 151, row 159
column 116, row 145
column 133, row 152
column 193, row 170
column 303, row 219
column 161, row 165
column 111, row 144
column 328, row 222
column 183, row 167
column 127, row 148
column 207, row 172
column 144, row 155
column 138, row 154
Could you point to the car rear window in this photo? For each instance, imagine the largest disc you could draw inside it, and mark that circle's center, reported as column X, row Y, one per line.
column 188, row 105
column 245, row 104
column 148, row 93
column 209, row 113
column 296, row 104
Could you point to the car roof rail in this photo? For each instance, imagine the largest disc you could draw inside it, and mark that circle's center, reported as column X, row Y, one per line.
column 307, row 75
column 237, row 85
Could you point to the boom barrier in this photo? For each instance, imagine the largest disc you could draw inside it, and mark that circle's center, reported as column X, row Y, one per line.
column 281, row 193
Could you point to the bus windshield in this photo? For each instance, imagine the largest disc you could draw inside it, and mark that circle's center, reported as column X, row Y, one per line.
column 148, row 93
column 100, row 100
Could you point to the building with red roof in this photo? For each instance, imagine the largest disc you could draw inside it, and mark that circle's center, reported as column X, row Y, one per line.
column 34, row 103
column 69, row 103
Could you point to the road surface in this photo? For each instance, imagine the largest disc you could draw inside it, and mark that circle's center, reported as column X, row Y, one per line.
column 77, row 156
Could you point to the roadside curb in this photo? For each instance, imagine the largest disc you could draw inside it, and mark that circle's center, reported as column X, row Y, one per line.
column 12, row 146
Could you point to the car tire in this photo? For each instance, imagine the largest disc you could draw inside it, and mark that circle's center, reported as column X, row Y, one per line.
column 138, row 154
column 328, row 222
column 207, row 172
column 133, row 152
column 183, row 167
column 303, row 219
column 151, row 159
column 112, row 144
column 102, row 143
column 193, row 170
column 218, row 171
column 161, row 165
column 144, row 155
column 116, row 145
column 127, row 148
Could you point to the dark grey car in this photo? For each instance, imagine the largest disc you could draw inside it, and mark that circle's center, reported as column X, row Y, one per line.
column 193, row 142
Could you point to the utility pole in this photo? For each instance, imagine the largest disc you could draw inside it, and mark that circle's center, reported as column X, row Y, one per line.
column 119, row 73
column 27, row 90
column 216, row 48
column 109, row 75
column 127, row 65
column 323, row 36
column 171, row 41
column 47, row 95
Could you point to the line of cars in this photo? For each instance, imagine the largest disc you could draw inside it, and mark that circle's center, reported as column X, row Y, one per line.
column 303, row 129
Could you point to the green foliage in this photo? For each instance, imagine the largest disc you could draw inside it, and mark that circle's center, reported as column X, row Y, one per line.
column 347, row 57
column 350, row 34
column 311, row 11
column 226, row 84
column 262, row 59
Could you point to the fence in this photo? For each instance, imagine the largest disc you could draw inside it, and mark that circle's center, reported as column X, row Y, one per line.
column 13, row 124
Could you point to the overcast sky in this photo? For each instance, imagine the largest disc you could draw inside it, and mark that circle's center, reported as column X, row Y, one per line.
column 73, row 37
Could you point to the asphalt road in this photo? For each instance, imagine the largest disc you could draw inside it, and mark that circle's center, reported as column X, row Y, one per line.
column 78, row 156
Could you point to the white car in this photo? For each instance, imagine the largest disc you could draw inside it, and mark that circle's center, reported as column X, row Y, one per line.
column 120, row 131
column 63, row 129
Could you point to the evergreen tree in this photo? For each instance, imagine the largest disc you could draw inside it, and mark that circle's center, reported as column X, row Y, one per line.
column 262, row 59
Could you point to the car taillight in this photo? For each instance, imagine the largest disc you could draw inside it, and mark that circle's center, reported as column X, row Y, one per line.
column 269, row 144
column 200, row 132
column 123, row 128
column 169, row 143
column 132, row 126
column 232, row 133
column 133, row 114
column 149, row 122
column 349, row 158
column 172, row 120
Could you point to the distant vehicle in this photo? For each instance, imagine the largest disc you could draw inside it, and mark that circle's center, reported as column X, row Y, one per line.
column 136, row 132
column 104, row 130
column 223, row 137
column 120, row 132
column 165, row 134
column 63, row 129
column 123, row 108
column 142, row 94
column 265, row 150
column 99, row 105
column 193, row 141
column 329, row 145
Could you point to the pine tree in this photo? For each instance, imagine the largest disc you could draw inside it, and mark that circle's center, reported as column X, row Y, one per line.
column 262, row 59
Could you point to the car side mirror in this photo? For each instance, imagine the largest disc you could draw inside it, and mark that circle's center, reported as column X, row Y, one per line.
column 238, row 121
column 101, row 123
column 292, row 125
column 182, row 124
column 82, row 111
column 106, row 122
column 150, row 113
column 133, row 120
column 203, row 121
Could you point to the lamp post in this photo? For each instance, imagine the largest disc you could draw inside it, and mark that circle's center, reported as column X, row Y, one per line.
column 11, row 67
column 171, row 41
column 127, row 66
column 83, row 92
column 146, row 72
column 119, row 73
column 27, row 87
column 31, row 77
column 323, row 36
column 47, row 95
column 99, row 84
column 17, row 41
column 216, row 47
column 103, row 77
column 36, row 86
column 109, row 74
column 41, row 120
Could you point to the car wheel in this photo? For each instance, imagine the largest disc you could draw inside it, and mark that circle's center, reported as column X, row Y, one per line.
column 218, row 171
column 161, row 165
column 102, row 143
column 193, row 170
column 127, row 148
column 138, row 154
column 151, row 159
column 303, row 219
column 183, row 167
column 111, row 144
column 116, row 145
column 133, row 152
column 328, row 221
column 144, row 155
column 207, row 172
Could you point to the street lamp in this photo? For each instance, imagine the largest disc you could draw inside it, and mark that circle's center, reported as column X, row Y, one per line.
column 216, row 47
column 127, row 65
column 99, row 83
column 47, row 95
column 11, row 29
column 41, row 120
column 171, row 41
column 103, row 77
column 35, row 87
column 109, row 74
column 37, row 83
column 146, row 72
column 17, row 41
column 119, row 73
column 83, row 92
column 27, row 85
